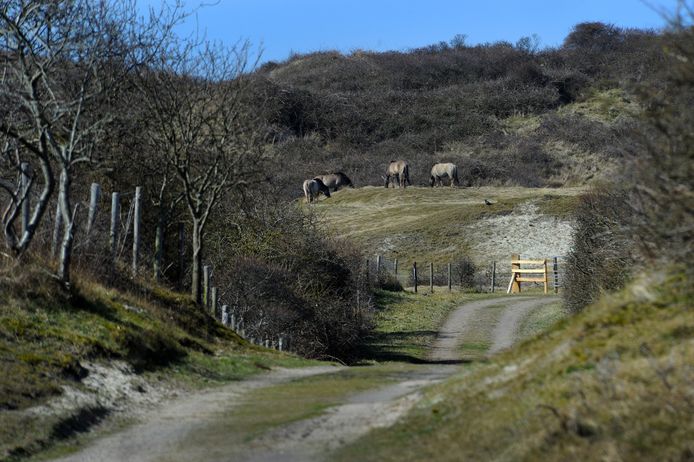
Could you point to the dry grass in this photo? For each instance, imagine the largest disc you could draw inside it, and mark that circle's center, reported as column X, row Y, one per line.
column 429, row 224
column 613, row 383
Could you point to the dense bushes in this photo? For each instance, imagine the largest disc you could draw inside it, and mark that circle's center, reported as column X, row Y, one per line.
column 283, row 277
column 648, row 219
column 601, row 258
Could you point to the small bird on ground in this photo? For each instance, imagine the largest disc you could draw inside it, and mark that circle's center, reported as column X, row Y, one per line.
column 486, row 201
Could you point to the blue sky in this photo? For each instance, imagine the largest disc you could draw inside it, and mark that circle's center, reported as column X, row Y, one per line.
column 286, row 26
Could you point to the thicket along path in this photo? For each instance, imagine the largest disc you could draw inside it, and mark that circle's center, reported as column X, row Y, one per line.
column 193, row 428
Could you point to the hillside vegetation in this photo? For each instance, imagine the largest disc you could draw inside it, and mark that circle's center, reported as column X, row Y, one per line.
column 505, row 113
column 613, row 383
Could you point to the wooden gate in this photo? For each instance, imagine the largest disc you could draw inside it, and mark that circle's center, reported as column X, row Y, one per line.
column 518, row 274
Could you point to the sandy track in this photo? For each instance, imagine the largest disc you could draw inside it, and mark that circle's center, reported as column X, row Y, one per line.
column 457, row 325
column 155, row 438
column 505, row 333
column 169, row 434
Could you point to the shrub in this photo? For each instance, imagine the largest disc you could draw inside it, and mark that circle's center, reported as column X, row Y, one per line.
column 388, row 281
column 464, row 272
column 601, row 258
column 283, row 277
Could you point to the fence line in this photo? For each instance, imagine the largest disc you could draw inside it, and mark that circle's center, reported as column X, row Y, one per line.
column 486, row 278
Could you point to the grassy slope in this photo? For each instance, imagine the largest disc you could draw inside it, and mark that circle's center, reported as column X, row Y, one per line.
column 427, row 224
column 46, row 335
column 614, row 383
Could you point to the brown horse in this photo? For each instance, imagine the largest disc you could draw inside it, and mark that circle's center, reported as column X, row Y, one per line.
column 312, row 188
column 398, row 171
column 440, row 171
column 335, row 180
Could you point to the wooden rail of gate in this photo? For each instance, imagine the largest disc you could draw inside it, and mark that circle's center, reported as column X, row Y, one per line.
column 518, row 274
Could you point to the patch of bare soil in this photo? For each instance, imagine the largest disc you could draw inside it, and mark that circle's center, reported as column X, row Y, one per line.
column 524, row 231
column 155, row 437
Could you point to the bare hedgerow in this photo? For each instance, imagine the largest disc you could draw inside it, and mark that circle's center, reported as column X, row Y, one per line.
column 602, row 255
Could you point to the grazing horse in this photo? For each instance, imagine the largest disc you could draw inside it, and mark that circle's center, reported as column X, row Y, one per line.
column 312, row 188
column 398, row 170
column 440, row 171
column 335, row 181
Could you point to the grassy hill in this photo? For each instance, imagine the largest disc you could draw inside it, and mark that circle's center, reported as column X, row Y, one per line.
column 506, row 114
column 613, row 383
column 70, row 359
column 441, row 225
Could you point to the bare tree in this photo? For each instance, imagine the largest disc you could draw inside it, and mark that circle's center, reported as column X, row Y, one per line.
column 62, row 62
column 201, row 128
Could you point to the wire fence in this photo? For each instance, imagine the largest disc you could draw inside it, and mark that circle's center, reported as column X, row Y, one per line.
column 493, row 276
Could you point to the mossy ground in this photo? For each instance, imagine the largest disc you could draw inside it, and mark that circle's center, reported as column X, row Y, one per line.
column 613, row 383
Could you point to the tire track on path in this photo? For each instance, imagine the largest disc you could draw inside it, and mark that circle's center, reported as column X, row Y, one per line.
column 457, row 326
column 506, row 332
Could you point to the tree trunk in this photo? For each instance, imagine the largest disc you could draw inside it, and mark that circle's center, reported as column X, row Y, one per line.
column 40, row 207
column 159, row 243
column 68, row 227
column 196, row 287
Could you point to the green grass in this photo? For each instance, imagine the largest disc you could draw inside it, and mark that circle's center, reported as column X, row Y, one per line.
column 604, row 106
column 558, row 206
column 613, row 383
column 542, row 319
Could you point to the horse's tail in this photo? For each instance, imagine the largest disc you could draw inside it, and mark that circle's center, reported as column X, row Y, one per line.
column 406, row 174
column 455, row 175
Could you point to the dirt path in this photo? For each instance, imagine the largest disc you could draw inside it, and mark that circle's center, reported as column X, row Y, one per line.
column 453, row 332
column 506, row 332
column 173, row 434
column 154, row 439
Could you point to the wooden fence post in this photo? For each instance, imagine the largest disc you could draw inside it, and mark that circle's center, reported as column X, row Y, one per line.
column 396, row 268
column 137, row 222
column 115, row 228
column 225, row 315
column 414, row 275
column 449, row 277
column 26, row 204
column 94, row 196
column 213, row 302
column 280, row 344
column 431, row 277
column 515, row 284
column 493, row 277
column 159, row 244
column 555, row 269
column 206, row 286
column 378, row 265
column 181, row 253
column 368, row 263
